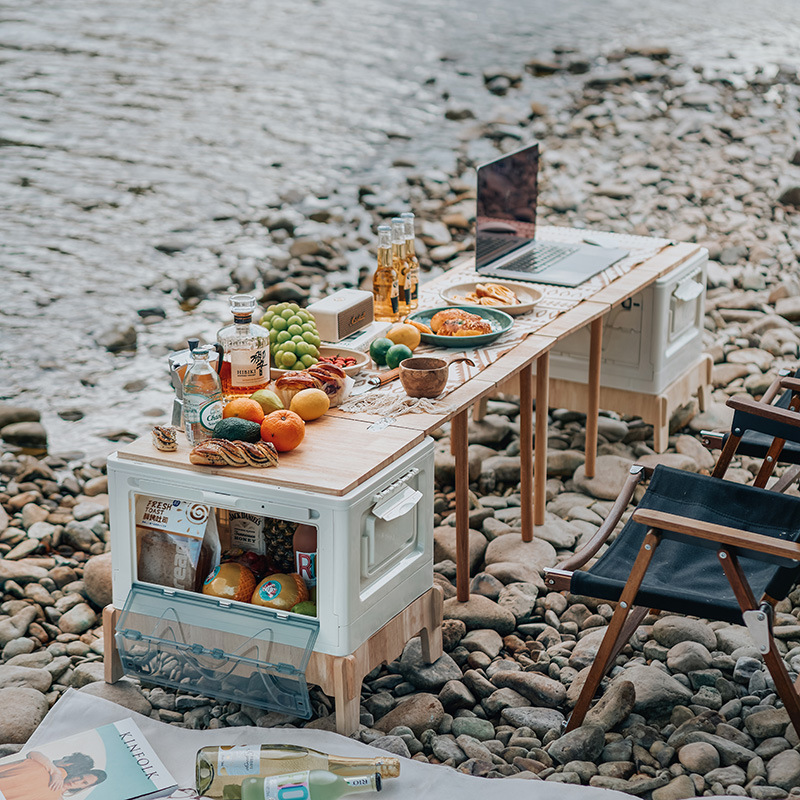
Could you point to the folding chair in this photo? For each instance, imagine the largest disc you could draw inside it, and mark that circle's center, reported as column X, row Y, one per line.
column 698, row 545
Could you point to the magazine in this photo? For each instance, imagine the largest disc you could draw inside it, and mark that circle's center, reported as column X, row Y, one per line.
column 114, row 762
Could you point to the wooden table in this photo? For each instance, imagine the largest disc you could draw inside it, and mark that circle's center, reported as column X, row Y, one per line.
column 519, row 361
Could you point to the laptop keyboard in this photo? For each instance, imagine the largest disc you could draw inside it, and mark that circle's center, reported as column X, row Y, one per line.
column 542, row 256
column 491, row 247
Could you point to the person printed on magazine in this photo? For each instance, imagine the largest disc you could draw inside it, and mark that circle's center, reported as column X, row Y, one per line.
column 36, row 777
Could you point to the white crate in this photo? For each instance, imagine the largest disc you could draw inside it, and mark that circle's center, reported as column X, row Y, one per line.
column 649, row 340
column 374, row 544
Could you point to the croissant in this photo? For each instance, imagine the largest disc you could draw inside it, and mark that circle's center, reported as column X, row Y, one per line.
column 224, row 453
column 502, row 295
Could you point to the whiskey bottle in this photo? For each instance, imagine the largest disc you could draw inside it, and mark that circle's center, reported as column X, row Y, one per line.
column 202, row 397
column 411, row 258
column 220, row 770
column 385, row 286
column 315, row 784
column 400, row 263
column 245, row 365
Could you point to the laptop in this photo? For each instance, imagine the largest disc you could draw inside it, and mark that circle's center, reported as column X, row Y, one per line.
column 505, row 241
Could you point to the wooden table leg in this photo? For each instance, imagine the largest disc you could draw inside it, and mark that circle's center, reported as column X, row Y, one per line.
column 526, row 450
column 112, row 665
column 540, row 442
column 593, row 410
column 459, row 439
column 346, row 695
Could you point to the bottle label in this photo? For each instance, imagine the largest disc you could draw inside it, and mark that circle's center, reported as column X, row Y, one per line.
column 210, row 414
column 305, row 565
column 247, row 532
column 360, row 780
column 294, row 786
column 249, row 368
column 241, row 759
column 211, row 575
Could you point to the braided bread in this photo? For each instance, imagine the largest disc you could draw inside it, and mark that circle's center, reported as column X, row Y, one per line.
column 223, row 453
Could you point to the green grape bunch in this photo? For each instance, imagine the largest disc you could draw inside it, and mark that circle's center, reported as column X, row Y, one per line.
column 293, row 338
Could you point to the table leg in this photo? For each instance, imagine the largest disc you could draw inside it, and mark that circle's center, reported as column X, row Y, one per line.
column 526, row 450
column 112, row 666
column 593, row 410
column 459, row 439
column 540, row 441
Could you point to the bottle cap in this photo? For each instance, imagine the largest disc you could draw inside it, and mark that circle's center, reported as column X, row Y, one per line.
column 242, row 305
column 193, row 344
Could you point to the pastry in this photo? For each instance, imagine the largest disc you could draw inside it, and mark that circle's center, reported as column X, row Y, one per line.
column 165, row 438
column 440, row 317
column 222, row 453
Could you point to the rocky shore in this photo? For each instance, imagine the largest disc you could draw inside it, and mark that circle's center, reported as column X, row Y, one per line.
column 646, row 144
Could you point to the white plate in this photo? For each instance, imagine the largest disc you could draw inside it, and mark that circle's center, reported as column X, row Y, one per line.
column 528, row 296
column 362, row 359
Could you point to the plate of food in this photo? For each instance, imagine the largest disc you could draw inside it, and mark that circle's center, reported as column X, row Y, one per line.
column 509, row 297
column 453, row 326
column 351, row 361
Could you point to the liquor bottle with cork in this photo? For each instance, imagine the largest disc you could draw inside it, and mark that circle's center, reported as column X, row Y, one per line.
column 385, row 285
column 202, row 397
column 411, row 258
column 220, row 770
column 400, row 263
column 315, row 784
column 245, row 366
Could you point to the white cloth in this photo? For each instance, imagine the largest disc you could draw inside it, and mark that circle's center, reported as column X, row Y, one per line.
column 177, row 748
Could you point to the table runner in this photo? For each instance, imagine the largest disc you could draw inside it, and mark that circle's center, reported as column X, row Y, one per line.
column 555, row 301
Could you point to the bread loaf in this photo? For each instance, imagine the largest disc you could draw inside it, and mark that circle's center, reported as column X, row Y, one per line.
column 222, row 453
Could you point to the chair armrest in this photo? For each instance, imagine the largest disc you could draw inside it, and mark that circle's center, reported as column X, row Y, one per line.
column 604, row 531
column 721, row 534
column 790, row 383
column 757, row 409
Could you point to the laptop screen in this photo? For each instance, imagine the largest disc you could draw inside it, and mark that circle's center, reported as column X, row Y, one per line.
column 506, row 204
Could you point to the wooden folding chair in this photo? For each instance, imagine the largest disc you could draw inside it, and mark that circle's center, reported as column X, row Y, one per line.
column 698, row 545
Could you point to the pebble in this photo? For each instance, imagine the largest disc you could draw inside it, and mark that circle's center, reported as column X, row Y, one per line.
column 479, row 612
column 427, row 677
column 419, row 712
column 23, row 710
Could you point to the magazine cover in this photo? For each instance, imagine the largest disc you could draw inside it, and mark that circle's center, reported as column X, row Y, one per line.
column 114, row 762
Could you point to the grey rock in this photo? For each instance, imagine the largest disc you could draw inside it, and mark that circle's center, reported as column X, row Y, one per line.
column 97, row 579
column 688, row 656
column 38, row 660
column 784, row 770
column 656, row 692
column 486, row 641
column 726, row 776
column 428, row 677
column 487, row 585
column 18, row 647
column 768, row 723
column 539, row 689
column 497, row 701
column 23, row 710
column 78, row 619
column 455, row 695
column 539, row 720
column 124, row 693
column 87, row 510
column 699, row 757
column 582, row 744
column 731, row 637
column 24, row 434
column 477, row 728
column 117, row 337
column 479, row 612
column 10, row 414
column 563, row 463
column 79, row 536
column 613, row 707
column 668, row 631
column 24, row 677
column 678, row 788
column 419, row 712
column 445, row 748
column 444, row 545
column 519, row 599
column 729, row 752
column 16, row 625
column 392, row 744
column 536, row 554
column 610, row 475
column 586, row 649
column 84, row 674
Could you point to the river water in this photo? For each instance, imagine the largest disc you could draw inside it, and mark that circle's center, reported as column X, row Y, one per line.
column 123, row 125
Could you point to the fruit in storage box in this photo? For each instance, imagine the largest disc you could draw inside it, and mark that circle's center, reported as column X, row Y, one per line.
column 280, row 591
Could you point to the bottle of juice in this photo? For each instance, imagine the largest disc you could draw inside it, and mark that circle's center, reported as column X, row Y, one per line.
column 316, row 784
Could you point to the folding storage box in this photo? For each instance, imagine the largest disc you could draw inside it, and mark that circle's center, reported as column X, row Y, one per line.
column 374, row 558
column 649, row 340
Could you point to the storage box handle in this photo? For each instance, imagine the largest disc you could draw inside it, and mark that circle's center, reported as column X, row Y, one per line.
column 687, row 290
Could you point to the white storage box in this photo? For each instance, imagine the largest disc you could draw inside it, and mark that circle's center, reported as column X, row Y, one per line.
column 374, row 557
column 649, row 340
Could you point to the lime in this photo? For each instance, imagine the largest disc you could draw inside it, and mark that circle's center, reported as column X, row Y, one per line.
column 378, row 350
column 397, row 353
column 306, row 607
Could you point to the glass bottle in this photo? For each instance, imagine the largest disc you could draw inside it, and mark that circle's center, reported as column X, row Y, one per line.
column 316, row 784
column 400, row 263
column 202, row 397
column 411, row 257
column 385, row 286
column 219, row 770
column 245, row 366
column 304, row 543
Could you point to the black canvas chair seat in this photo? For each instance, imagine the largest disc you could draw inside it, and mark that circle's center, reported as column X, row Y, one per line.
column 686, row 577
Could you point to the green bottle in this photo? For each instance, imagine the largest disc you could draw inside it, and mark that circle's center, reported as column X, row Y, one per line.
column 315, row 784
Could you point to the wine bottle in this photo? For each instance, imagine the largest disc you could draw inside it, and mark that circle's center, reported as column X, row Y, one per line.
column 315, row 784
column 220, row 770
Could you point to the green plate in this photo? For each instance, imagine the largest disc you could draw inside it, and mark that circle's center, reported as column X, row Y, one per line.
column 499, row 320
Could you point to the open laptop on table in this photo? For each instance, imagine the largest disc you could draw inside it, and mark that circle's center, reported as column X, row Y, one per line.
column 506, row 224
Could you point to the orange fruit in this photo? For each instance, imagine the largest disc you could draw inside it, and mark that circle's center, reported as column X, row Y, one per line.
column 310, row 404
column 244, row 408
column 406, row 334
column 284, row 429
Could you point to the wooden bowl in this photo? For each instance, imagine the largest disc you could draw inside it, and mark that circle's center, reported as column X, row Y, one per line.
column 425, row 376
